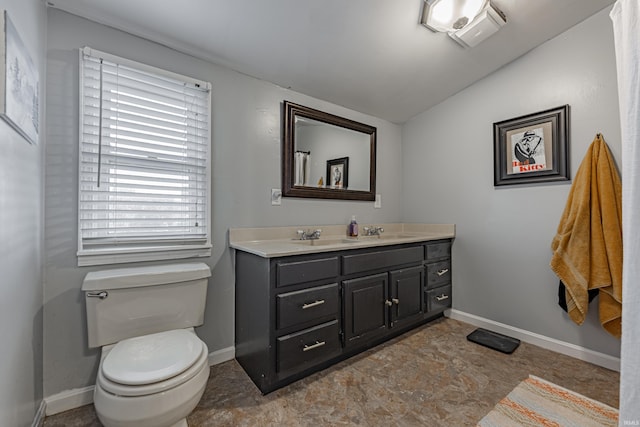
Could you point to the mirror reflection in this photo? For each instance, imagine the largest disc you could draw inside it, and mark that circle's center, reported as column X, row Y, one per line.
column 330, row 156
column 327, row 156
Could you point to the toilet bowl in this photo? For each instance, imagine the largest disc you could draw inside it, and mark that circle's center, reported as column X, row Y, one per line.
column 153, row 367
column 146, row 382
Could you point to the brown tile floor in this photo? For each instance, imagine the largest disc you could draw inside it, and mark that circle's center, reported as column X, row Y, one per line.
column 431, row 376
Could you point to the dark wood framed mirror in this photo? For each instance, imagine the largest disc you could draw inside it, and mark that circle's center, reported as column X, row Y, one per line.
column 327, row 156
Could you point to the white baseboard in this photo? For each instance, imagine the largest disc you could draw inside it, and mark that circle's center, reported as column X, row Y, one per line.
column 552, row 344
column 68, row 399
column 222, row 355
column 71, row 399
column 38, row 419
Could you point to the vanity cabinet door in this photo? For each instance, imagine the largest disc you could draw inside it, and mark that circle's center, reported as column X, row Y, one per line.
column 366, row 313
column 406, row 295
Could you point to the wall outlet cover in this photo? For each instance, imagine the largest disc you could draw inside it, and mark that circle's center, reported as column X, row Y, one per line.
column 276, row 197
column 378, row 203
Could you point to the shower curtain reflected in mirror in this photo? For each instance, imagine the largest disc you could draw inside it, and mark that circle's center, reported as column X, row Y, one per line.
column 302, row 167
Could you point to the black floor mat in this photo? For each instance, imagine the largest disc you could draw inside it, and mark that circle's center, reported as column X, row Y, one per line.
column 494, row 340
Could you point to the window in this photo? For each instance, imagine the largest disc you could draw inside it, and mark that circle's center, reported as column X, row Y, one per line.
column 143, row 164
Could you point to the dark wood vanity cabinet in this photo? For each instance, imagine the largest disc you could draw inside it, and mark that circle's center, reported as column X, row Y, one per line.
column 298, row 314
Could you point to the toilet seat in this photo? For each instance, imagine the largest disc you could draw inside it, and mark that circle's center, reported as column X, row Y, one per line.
column 152, row 358
column 152, row 363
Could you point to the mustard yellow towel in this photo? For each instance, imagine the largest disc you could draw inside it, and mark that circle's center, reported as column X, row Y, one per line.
column 587, row 249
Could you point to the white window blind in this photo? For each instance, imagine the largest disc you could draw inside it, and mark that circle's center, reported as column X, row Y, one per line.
column 144, row 150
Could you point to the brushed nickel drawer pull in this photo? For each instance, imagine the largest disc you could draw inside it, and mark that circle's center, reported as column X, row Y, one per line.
column 312, row 304
column 442, row 297
column 396, row 301
column 443, row 271
column 101, row 294
column 312, row 346
column 389, row 303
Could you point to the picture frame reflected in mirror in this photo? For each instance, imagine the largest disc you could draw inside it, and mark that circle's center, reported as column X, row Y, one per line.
column 338, row 173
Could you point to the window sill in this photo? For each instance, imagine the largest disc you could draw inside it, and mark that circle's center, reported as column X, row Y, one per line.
column 124, row 255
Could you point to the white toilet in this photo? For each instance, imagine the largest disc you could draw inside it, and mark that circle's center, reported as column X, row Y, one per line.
column 153, row 367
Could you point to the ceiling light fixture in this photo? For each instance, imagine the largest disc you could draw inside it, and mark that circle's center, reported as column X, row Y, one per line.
column 468, row 22
column 450, row 15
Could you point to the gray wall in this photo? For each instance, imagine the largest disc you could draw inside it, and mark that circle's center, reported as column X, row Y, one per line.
column 246, row 165
column 21, row 218
column 502, row 249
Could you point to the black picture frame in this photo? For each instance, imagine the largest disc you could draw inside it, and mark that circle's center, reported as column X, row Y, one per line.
column 338, row 166
column 19, row 83
column 532, row 149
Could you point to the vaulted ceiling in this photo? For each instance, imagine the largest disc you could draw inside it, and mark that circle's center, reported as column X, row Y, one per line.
column 369, row 55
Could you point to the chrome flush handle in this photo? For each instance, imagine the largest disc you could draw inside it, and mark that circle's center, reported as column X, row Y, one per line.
column 100, row 294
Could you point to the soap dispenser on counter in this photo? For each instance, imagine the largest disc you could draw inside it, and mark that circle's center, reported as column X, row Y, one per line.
column 352, row 229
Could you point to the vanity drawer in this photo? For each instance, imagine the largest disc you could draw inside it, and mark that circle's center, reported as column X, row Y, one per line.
column 352, row 264
column 307, row 304
column 308, row 347
column 291, row 273
column 438, row 298
column 438, row 250
column 438, row 273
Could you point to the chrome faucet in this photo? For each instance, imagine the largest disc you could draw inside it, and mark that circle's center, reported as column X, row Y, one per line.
column 308, row 234
column 373, row 231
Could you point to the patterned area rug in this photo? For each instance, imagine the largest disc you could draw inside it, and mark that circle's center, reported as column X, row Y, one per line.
column 536, row 402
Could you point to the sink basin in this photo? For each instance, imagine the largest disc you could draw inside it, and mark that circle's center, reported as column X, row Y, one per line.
column 327, row 242
column 322, row 242
column 385, row 236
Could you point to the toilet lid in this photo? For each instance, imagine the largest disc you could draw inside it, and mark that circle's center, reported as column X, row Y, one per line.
column 152, row 358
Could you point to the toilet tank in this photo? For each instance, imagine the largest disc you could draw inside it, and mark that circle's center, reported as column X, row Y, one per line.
column 128, row 302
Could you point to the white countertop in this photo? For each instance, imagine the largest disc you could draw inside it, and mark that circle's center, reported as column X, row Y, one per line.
column 271, row 242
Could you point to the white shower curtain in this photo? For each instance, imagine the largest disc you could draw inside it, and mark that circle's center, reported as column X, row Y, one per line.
column 626, row 27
